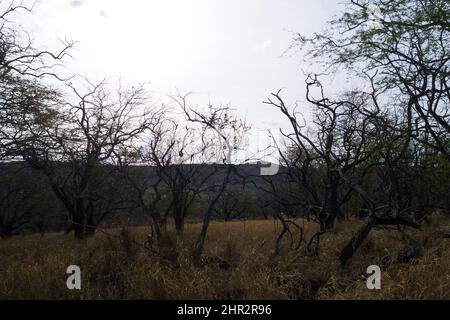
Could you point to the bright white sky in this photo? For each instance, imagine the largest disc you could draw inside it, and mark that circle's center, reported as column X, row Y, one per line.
column 226, row 51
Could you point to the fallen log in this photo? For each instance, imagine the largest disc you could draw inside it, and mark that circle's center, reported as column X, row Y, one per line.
column 374, row 220
column 356, row 241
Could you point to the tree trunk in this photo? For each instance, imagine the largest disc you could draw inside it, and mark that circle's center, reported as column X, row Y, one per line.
column 91, row 225
column 179, row 221
column 207, row 217
column 83, row 223
column 78, row 231
column 364, row 231
column 356, row 242
column 158, row 226
column 330, row 208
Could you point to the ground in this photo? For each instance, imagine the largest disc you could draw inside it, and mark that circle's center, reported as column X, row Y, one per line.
column 115, row 265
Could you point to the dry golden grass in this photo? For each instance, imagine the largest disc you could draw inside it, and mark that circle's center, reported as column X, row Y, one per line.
column 114, row 267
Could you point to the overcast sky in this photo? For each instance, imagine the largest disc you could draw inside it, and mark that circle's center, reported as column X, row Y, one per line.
column 226, row 51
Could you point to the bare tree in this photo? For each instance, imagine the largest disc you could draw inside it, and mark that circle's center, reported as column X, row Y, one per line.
column 75, row 149
column 188, row 175
column 140, row 166
column 400, row 48
column 22, row 67
column 168, row 173
column 338, row 141
column 18, row 55
column 226, row 131
column 369, row 146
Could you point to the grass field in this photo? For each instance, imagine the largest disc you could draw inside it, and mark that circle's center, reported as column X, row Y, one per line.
column 115, row 266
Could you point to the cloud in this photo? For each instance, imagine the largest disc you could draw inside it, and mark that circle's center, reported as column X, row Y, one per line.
column 77, row 3
column 102, row 13
column 263, row 46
